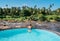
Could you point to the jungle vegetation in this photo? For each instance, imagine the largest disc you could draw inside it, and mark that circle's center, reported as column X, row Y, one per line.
column 25, row 13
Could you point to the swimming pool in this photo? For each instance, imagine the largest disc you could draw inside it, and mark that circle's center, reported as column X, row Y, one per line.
column 22, row 34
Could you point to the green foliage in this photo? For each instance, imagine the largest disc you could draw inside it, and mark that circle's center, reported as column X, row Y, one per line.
column 21, row 18
column 28, row 13
column 8, row 16
column 37, row 17
column 58, row 18
column 51, row 17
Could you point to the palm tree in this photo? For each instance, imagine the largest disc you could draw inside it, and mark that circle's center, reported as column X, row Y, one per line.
column 49, row 8
column 34, row 10
column 43, row 11
column 6, row 5
column 51, row 5
column 1, row 13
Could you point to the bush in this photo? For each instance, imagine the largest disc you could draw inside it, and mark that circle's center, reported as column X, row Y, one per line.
column 21, row 19
column 8, row 16
column 51, row 17
column 41, row 17
column 58, row 18
column 38, row 17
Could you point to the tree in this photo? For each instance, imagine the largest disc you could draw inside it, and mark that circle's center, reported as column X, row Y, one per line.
column 49, row 8
column 6, row 5
column 43, row 11
column 1, row 13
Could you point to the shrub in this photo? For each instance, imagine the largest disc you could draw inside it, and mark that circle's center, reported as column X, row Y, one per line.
column 21, row 19
column 58, row 18
column 8, row 16
column 38, row 17
column 51, row 17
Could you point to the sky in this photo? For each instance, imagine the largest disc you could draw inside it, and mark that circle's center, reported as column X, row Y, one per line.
column 30, row 3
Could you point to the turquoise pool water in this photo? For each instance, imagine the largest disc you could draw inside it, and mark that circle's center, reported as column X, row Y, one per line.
column 23, row 35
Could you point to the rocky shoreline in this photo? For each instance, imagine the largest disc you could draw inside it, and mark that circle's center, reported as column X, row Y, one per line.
column 55, row 27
